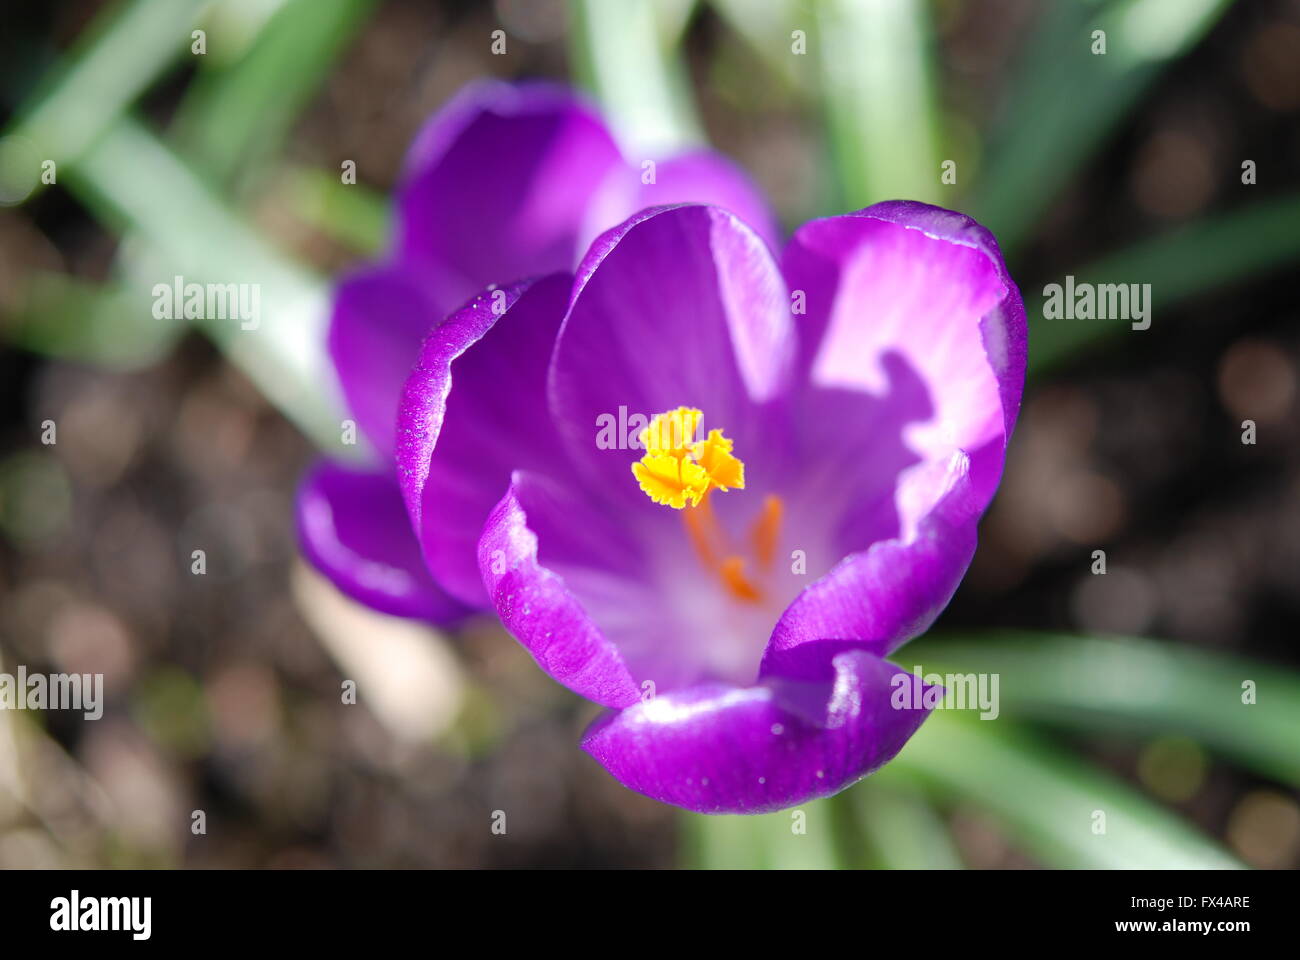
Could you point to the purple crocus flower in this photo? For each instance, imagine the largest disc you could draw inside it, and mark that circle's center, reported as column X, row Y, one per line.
column 505, row 182
column 811, row 445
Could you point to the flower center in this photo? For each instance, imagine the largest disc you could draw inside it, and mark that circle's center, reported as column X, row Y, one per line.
column 679, row 471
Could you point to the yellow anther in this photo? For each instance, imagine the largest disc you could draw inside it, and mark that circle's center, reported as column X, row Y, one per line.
column 714, row 455
column 672, row 433
column 671, row 480
column 677, row 469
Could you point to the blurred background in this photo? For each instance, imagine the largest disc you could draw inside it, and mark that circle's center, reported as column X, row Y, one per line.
column 1120, row 693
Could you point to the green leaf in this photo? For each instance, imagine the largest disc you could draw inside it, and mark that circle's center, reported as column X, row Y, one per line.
column 1049, row 801
column 109, row 325
column 622, row 52
column 879, row 95
column 128, row 178
column 114, row 61
column 350, row 214
column 768, row 26
column 900, row 826
column 1064, row 100
column 1140, row 687
column 672, row 18
column 807, row 837
column 1178, row 265
column 238, row 114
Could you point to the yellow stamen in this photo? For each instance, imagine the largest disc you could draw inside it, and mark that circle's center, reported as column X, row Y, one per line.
column 672, row 433
column 669, row 480
column 766, row 529
column 677, row 469
column 714, row 455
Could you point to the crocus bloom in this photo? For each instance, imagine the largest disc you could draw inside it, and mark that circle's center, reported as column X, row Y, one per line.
column 505, row 182
column 813, row 444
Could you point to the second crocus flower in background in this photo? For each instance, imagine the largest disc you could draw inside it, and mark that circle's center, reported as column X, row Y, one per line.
column 505, row 182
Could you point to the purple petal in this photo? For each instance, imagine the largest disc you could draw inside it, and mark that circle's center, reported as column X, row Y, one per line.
column 927, row 287
column 497, row 185
column 677, row 306
column 698, row 177
column 727, row 749
column 472, row 411
column 535, row 604
column 880, row 598
column 916, row 337
column 1004, row 330
column 354, row 529
column 380, row 316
